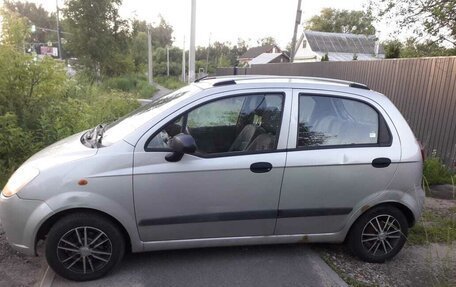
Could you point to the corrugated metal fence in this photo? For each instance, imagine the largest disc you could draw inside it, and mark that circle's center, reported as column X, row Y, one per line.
column 423, row 89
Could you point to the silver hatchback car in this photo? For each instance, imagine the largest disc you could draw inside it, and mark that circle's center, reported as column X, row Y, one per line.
column 223, row 161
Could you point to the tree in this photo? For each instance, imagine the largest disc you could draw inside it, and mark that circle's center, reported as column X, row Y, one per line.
column 415, row 49
column 99, row 36
column 436, row 18
column 139, row 51
column 14, row 29
column 342, row 21
column 162, row 34
column 392, row 49
column 325, row 58
column 412, row 48
column 37, row 16
column 267, row 41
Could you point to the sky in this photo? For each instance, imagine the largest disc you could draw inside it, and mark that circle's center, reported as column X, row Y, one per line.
column 218, row 20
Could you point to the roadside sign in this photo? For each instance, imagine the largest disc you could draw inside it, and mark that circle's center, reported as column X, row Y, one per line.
column 50, row 51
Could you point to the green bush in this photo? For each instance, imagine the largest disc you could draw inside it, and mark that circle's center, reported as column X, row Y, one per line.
column 435, row 172
column 40, row 105
column 171, row 83
column 125, row 84
column 136, row 84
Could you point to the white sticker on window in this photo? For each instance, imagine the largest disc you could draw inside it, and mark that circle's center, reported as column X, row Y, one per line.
column 372, row 135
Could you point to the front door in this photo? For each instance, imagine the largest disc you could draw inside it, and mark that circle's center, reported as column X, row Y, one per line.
column 230, row 187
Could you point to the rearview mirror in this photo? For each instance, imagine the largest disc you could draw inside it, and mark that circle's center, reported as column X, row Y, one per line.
column 180, row 145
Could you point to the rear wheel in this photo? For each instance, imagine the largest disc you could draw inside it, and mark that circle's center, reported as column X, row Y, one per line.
column 84, row 247
column 379, row 234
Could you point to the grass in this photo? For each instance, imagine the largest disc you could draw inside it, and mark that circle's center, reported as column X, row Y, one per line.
column 136, row 84
column 171, row 83
column 435, row 172
column 434, row 228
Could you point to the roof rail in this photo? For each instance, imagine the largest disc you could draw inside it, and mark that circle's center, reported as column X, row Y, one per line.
column 232, row 80
column 359, row 86
column 224, row 83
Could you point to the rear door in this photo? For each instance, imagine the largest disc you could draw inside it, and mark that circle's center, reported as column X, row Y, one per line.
column 342, row 149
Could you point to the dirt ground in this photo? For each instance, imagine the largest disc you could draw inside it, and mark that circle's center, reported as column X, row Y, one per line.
column 17, row 269
column 431, row 264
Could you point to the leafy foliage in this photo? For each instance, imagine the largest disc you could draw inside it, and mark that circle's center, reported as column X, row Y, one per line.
column 267, row 41
column 342, row 21
column 36, row 15
column 392, row 49
column 39, row 104
column 433, row 17
column 435, row 172
column 325, row 58
column 411, row 48
column 133, row 83
column 99, row 36
column 14, row 29
column 171, row 83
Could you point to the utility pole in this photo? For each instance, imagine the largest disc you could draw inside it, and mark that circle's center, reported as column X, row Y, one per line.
column 207, row 55
column 183, row 62
column 191, row 60
column 59, row 40
column 297, row 22
column 149, row 54
column 167, row 61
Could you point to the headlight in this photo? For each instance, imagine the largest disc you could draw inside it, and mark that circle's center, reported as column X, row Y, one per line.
column 19, row 179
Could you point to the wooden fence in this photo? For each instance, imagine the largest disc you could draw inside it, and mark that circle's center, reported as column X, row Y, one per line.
column 423, row 89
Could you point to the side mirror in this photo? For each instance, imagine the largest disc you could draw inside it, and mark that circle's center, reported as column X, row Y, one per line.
column 180, row 145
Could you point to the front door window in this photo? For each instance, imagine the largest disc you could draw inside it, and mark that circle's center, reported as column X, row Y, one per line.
column 242, row 124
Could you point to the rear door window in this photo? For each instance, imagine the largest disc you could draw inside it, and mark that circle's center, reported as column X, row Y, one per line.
column 335, row 121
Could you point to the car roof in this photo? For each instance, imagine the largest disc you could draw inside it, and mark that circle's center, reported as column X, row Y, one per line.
column 208, row 82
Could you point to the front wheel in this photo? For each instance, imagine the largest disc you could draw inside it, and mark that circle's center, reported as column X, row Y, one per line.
column 379, row 234
column 84, row 246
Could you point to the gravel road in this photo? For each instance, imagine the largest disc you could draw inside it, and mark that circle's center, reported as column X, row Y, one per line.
column 17, row 269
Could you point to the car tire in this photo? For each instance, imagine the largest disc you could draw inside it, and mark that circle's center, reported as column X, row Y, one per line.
column 84, row 246
column 378, row 234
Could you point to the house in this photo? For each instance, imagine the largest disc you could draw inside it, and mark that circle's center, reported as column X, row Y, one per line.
column 268, row 58
column 312, row 46
column 263, row 55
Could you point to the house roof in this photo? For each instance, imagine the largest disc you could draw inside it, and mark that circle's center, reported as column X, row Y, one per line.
column 256, row 51
column 265, row 58
column 341, row 43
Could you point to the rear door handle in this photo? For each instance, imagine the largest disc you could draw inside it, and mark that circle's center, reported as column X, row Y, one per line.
column 381, row 162
column 260, row 167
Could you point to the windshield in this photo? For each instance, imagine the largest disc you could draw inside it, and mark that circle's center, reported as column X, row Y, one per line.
column 122, row 127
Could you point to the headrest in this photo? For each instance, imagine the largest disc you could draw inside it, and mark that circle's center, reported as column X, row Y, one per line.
column 270, row 119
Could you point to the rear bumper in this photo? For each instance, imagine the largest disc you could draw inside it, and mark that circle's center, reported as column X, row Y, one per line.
column 20, row 219
column 419, row 199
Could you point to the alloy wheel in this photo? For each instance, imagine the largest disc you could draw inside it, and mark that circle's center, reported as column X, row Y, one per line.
column 381, row 235
column 84, row 249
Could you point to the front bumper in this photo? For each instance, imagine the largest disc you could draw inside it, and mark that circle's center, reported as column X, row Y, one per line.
column 21, row 219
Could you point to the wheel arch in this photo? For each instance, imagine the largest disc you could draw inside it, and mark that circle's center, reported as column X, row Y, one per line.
column 48, row 223
column 410, row 217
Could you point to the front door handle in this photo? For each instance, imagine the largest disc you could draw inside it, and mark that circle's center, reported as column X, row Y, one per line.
column 260, row 167
column 381, row 162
